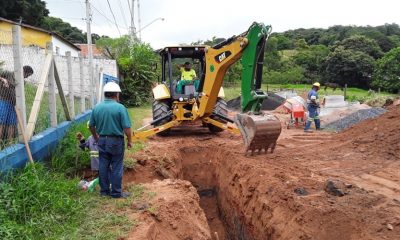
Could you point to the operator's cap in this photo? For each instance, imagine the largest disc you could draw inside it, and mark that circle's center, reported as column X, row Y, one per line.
column 111, row 87
column 316, row 84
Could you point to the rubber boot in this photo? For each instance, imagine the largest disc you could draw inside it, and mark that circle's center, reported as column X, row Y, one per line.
column 317, row 124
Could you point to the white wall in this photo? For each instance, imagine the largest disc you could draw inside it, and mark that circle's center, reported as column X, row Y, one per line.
column 63, row 47
column 35, row 57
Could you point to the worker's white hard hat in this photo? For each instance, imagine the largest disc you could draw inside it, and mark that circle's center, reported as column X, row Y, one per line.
column 317, row 84
column 111, row 87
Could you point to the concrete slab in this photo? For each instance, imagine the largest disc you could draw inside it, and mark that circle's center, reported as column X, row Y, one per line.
column 335, row 101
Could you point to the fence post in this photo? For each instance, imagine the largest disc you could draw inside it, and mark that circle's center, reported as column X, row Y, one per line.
column 52, row 89
column 70, row 86
column 81, row 78
column 19, row 77
column 100, row 85
column 96, row 83
column 345, row 92
column 91, row 86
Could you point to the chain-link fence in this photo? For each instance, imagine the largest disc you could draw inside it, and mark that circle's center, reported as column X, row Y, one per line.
column 56, row 88
column 8, row 118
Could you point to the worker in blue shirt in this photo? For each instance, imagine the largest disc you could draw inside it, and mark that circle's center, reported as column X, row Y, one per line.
column 312, row 107
column 109, row 122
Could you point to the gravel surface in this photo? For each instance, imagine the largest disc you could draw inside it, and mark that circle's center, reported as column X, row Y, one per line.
column 355, row 118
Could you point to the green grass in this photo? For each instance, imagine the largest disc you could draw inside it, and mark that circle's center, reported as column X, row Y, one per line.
column 39, row 204
column 137, row 114
column 45, row 203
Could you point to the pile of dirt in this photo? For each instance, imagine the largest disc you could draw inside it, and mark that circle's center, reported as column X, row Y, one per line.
column 271, row 103
column 314, row 186
column 376, row 137
column 355, row 118
column 166, row 213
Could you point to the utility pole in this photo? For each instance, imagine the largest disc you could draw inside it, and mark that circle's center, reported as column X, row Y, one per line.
column 133, row 29
column 90, row 53
column 139, row 20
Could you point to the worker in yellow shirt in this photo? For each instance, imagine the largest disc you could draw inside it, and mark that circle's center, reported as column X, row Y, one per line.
column 188, row 75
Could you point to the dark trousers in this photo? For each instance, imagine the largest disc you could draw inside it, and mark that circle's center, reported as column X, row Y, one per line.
column 111, row 167
column 312, row 116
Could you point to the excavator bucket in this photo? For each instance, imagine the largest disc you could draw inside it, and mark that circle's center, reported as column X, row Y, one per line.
column 259, row 131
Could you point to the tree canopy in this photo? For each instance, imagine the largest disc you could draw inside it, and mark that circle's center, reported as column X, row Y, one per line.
column 31, row 12
column 35, row 13
column 350, row 67
column 362, row 44
column 135, row 62
column 387, row 72
column 64, row 29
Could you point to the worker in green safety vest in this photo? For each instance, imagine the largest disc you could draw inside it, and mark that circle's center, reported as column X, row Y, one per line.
column 188, row 75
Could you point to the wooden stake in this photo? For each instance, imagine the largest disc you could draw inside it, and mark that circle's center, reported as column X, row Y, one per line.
column 22, row 129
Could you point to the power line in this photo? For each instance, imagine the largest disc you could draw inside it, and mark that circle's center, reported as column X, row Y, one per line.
column 115, row 21
column 123, row 14
column 129, row 5
column 70, row 18
column 105, row 17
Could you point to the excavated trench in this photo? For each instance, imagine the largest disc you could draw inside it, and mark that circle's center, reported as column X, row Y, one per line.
column 200, row 166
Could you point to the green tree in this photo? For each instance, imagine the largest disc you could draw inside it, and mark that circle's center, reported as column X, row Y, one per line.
column 31, row 12
column 135, row 62
column 283, row 42
column 350, row 67
column 233, row 75
column 64, row 29
column 272, row 58
column 311, row 60
column 292, row 75
column 95, row 37
column 387, row 72
column 114, row 48
column 138, row 73
column 362, row 44
column 301, row 44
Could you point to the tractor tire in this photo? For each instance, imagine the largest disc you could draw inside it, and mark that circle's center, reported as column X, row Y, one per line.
column 160, row 109
column 222, row 109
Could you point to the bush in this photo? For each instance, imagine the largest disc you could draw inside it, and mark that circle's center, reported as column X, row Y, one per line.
column 139, row 75
column 68, row 157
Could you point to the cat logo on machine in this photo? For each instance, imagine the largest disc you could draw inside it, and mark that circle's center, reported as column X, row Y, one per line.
column 222, row 56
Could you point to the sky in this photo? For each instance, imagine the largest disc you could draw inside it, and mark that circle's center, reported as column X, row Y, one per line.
column 187, row 21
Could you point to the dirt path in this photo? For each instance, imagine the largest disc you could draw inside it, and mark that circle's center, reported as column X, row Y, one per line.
column 315, row 186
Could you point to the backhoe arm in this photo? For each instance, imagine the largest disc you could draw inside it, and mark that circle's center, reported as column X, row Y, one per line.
column 259, row 130
column 249, row 47
column 218, row 60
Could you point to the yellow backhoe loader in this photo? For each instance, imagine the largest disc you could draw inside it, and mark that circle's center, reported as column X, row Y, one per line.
column 177, row 101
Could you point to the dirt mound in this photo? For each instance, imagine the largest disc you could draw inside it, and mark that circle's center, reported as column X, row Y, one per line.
column 175, row 204
column 272, row 102
column 376, row 137
column 315, row 186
